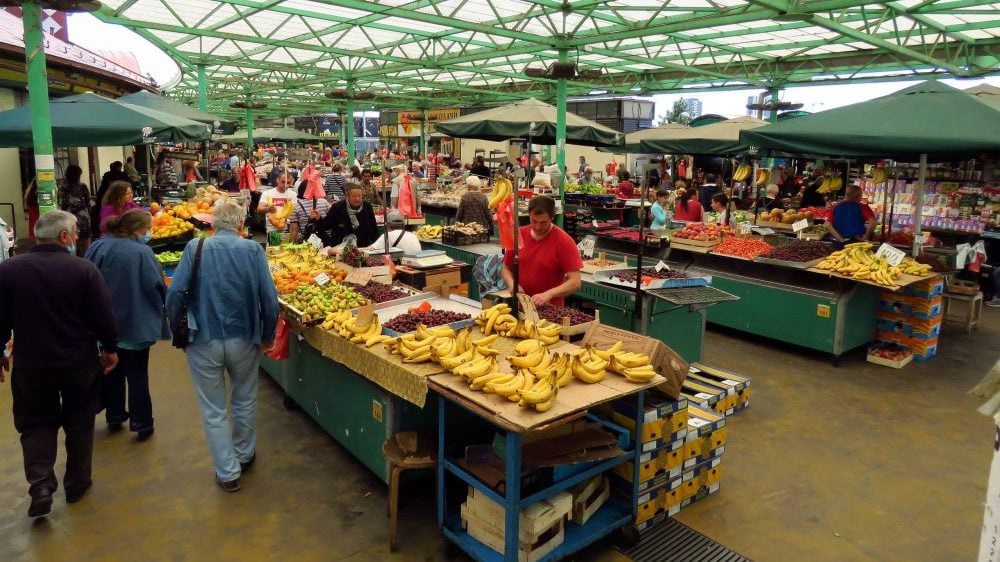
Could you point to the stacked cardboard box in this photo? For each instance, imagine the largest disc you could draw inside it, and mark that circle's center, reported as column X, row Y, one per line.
column 912, row 317
column 717, row 389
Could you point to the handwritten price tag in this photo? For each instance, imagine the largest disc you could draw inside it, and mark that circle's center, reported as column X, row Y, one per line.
column 322, row 279
column 587, row 246
column 315, row 241
column 661, row 266
column 799, row 225
column 365, row 314
column 893, row 256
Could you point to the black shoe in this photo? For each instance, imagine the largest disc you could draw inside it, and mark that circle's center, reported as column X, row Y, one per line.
column 231, row 486
column 249, row 462
column 77, row 495
column 40, row 505
column 145, row 434
column 115, row 427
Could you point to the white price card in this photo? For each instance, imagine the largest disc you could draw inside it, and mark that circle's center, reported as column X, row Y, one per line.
column 661, row 266
column 745, row 227
column 924, row 237
column 799, row 225
column 697, row 422
column 587, row 246
column 322, row 279
column 894, row 256
column 315, row 241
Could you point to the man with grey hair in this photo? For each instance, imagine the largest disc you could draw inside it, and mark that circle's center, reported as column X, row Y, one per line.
column 233, row 315
column 56, row 305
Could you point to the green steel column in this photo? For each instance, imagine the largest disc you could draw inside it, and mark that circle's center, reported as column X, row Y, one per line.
column 202, row 88
column 38, row 97
column 423, row 131
column 349, row 129
column 561, row 133
column 249, row 128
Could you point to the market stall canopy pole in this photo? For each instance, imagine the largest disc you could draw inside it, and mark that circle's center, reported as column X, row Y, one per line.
column 512, row 121
column 39, row 118
column 92, row 120
column 929, row 118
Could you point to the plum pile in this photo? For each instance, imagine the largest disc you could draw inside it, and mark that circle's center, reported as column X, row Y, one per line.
column 379, row 292
column 554, row 313
column 800, row 251
column 408, row 322
column 629, row 277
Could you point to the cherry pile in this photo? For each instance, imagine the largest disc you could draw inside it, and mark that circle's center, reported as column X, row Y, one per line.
column 378, row 292
column 408, row 322
column 554, row 313
column 800, row 251
column 629, row 277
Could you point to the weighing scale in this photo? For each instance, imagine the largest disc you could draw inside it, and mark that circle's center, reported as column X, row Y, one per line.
column 393, row 252
column 426, row 259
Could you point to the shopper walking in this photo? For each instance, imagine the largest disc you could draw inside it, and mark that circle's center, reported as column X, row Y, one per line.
column 74, row 198
column 233, row 315
column 116, row 202
column 57, row 308
column 135, row 279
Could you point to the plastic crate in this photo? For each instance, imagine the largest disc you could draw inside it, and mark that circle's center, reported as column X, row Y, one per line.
column 456, row 238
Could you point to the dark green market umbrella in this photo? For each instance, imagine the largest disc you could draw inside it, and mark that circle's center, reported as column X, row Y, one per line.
column 528, row 118
column 92, row 120
column 930, row 118
column 721, row 137
column 266, row 134
column 160, row 103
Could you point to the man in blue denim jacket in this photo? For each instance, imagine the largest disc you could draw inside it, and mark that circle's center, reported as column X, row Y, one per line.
column 233, row 316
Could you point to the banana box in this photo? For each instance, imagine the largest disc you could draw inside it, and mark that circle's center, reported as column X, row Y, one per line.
column 732, row 396
column 927, row 288
column 657, row 433
column 704, row 473
column 656, row 468
column 707, row 396
column 909, row 305
column 703, row 493
column 921, row 328
column 739, row 383
column 923, row 349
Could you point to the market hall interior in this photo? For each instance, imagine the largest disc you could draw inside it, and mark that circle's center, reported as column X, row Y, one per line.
column 859, row 462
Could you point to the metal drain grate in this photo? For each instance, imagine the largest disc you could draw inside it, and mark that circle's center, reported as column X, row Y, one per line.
column 673, row 541
column 693, row 295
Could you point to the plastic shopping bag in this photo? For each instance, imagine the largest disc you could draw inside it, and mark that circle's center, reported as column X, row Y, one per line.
column 505, row 222
column 280, row 350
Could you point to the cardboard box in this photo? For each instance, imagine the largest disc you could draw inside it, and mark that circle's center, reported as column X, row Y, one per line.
column 920, row 347
column 451, row 275
column 655, row 467
column 706, row 397
column 698, row 449
column 666, row 361
column 927, row 288
column 904, row 360
column 731, row 379
column 909, row 305
column 656, row 433
column 730, row 398
column 588, row 497
column 922, row 328
column 535, row 520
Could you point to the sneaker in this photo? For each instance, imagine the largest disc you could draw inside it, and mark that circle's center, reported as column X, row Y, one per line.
column 231, row 486
column 993, row 303
column 249, row 462
column 41, row 505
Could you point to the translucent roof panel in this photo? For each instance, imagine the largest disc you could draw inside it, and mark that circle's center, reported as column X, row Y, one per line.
column 436, row 53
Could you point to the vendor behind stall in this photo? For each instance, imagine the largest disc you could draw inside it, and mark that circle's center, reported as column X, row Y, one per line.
column 851, row 220
column 548, row 260
column 349, row 216
column 397, row 236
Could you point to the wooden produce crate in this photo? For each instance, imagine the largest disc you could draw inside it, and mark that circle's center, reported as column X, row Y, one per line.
column 588, row 497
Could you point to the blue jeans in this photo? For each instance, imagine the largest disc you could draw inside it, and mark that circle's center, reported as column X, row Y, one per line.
column 208, row 363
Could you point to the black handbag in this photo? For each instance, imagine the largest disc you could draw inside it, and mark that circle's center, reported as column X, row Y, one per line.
column 179, row 329
column 311, row 227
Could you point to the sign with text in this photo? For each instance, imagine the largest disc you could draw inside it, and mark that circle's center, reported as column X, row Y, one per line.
column 894, row 256
column 322, row 279
column 587, row 246
column 799, row 225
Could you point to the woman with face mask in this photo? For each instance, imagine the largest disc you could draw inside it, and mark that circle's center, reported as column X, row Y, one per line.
column 135, row 278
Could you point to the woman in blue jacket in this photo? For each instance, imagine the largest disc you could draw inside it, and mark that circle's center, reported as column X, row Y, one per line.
column 135, row 281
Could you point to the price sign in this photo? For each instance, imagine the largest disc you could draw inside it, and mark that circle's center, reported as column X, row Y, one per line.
column 587, row 246
column 893, row 256
column 799, row 225
column 745, row 228
column 528, row 310
column 272, row 268
column 360, row 276
column 661, row 266
column 315, row 241
column 924, row 237
column 322, row 279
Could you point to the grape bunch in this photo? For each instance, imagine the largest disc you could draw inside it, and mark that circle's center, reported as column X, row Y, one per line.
column 374, row 261
column 353, row 256
column 408, row 322
column 379, row 292
column 554, row 313
column 629, row 276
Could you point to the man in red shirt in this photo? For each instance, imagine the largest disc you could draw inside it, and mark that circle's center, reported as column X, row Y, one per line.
column 548, row 260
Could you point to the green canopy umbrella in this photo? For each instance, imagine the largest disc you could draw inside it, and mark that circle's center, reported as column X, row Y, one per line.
column 634, row 141
column 929, row 118
column 271, row 134
column 92, row 120
column 722, row 137
column 148, row 99
column 986, row 93
column 528, row 118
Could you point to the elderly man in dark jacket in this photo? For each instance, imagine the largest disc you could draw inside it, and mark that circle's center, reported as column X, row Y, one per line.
column 58, row 309
column 350, row 216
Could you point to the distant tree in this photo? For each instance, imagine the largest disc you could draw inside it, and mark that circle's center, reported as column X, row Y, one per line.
column 677, row 114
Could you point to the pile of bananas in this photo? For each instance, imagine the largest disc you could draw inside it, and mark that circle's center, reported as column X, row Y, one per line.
column 591, row 365
column 502, row 189
column 859, row 262
column 763, row 178
column 345, row 324
column 742, row 172
column 498, row 319
column 880, row 175
column 466, row 228
column 431, row 344
column 831, row 184
column 429, row 232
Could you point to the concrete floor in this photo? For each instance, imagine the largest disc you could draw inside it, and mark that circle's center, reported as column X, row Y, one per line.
column 853, row 463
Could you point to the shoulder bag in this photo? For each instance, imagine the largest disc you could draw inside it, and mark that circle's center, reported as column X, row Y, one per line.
column 181, row 333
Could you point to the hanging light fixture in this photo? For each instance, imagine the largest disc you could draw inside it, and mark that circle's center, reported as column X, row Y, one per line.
column 245, row 105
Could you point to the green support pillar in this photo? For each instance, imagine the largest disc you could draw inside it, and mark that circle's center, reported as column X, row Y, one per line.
column 38, row 97
column 203, row 105
column 349, row 129
column 249, row 128
column 561, row 133
column 423, row 131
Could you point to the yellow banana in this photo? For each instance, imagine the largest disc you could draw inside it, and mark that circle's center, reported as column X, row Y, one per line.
column 583, row 374
column 607, row 353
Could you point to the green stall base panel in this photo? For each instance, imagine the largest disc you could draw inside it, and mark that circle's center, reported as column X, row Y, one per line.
column 273, row 368
column 357, row 413
column 617, row 307
column 434, row 219
column 680, row 329
column 831, row 325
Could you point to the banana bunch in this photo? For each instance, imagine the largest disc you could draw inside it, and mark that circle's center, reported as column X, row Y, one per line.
column 416, row 347
column 880, row 176
column 633, row 366
column 588, row 366
column 502, row 189
column 345, row 324
column 498, row 319
column 831, row 185
column 742, row 172
column 429, row 232
column 763, row 177
column 911, row 266
column 542, row 395
column 859, row 262
column 279, row 218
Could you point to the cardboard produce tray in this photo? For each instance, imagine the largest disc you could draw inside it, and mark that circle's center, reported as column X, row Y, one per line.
column 402, row 306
